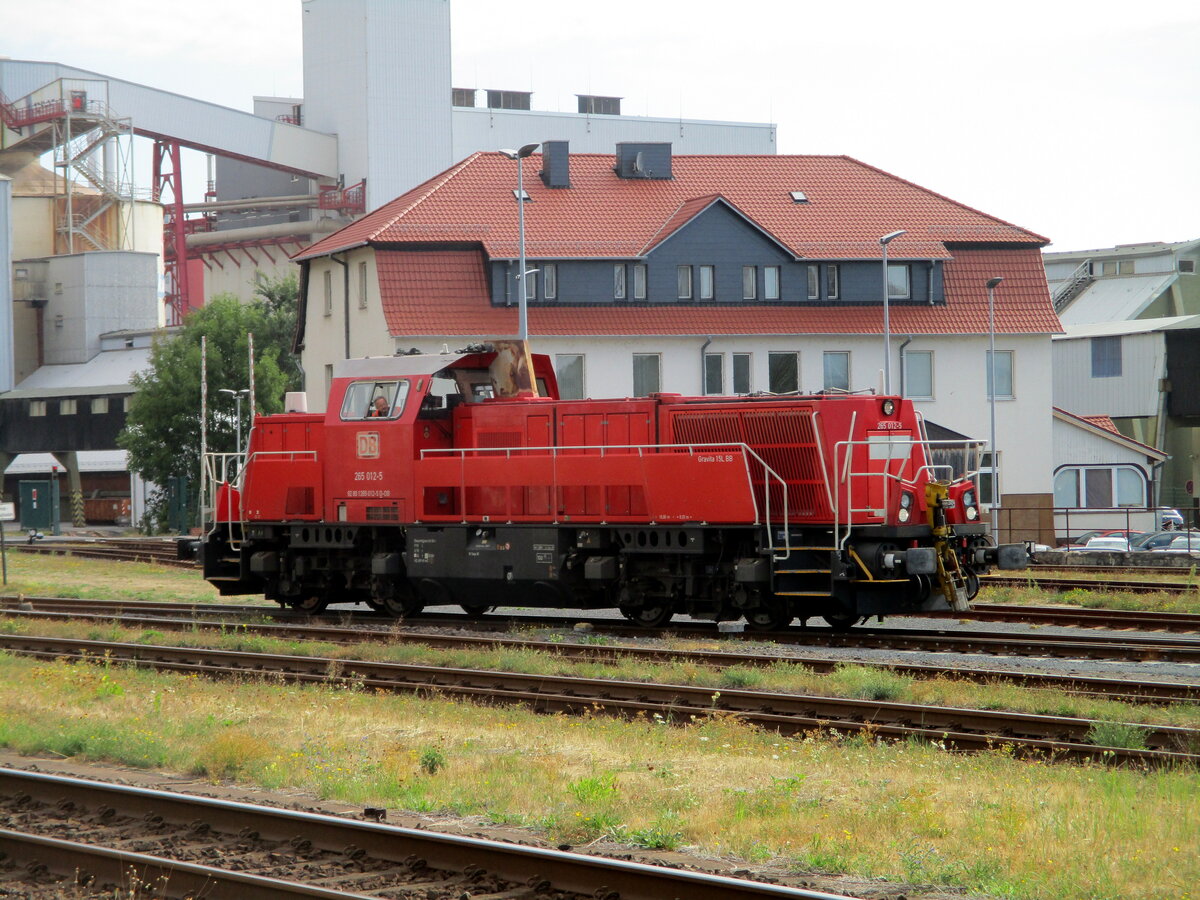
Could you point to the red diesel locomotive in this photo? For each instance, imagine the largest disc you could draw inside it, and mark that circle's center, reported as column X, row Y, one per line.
column 461, row 478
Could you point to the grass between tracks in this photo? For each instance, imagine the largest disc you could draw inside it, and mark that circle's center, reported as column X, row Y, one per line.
column 987, row 824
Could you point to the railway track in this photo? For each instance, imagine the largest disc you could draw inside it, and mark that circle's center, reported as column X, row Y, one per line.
column 1055, row 737
column 66, row 832
column 1059, row 583
column 160, row 552
column 1121, row 689
column 1095, row 646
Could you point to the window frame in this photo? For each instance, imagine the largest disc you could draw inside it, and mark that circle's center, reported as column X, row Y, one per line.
column 362, row 392
column 683, row 282
column 327, row 282
column 620, row 285
column 68, row 406
column 530, row 282
column 656, row 358
column 1000, row 354
column 772, row 282
column 832, row 282
column 38, row 409
column 749, row 282
column 362, row 284
column 639, row 281
column 1116, row 495
column 708, row 283
column 1107, row 353
column 709, row 360
column 826, row 356
column 906, row 270
column 99, row 406
column 813, row 275
column 558, row 368
column 550, row 281
column 908, row 388
column 747, row 360
column 778, row 355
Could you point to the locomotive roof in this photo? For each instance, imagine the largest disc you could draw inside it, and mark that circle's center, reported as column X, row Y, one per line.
column 396, row 366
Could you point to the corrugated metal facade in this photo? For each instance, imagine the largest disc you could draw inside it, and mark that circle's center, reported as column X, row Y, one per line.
column 1132, row 393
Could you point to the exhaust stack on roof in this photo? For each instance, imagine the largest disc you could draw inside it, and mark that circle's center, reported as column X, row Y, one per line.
column 556, row 164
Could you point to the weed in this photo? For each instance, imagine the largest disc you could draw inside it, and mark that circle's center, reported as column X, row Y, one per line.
column 1117, row 734
column 741, row 677
column 432, row 760
column 868, row 683
column 594, row 789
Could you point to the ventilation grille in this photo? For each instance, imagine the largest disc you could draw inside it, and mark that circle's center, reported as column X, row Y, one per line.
column 383, row 514
column 786, row 441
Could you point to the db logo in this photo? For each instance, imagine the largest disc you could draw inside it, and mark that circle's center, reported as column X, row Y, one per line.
column 368, row 445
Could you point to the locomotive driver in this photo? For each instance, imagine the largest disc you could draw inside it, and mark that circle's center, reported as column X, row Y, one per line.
column 380, row 409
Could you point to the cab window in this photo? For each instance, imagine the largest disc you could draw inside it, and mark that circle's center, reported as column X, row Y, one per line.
column 374, row 400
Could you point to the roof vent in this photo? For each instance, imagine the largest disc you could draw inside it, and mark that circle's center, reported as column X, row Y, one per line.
column 643, row 160
column 799, row 197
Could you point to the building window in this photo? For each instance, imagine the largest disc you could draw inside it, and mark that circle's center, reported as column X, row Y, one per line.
column 749, row 282
column 1004, row 374
column 714, row 373
column 1106, row 357
column 639, row 281
column 37, row 408
column 568, row 368
column 126, row 404
column 550, row 281
column 814, row 282
column 68, row 407
column 986, row 478
column 683, row 277
column 837, row 370
column 99, row 405
column 831, row 282
column 462, row 96
column 508, row 99
column 1187, row 265
column 770, row 282
column 918, row 374
column 601, row 106
column 362, row 285
column 619, row 281
column 783, row 373
column 1099, row 487
column 530, row 280
column 707, row 277
column 328, row 285
column 898, row 282
column 647, row 374
column 741, row 373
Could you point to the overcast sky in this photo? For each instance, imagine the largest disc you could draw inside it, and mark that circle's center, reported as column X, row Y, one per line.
column 1076, row 120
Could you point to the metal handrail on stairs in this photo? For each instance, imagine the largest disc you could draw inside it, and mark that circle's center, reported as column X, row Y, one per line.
column 1073, row 286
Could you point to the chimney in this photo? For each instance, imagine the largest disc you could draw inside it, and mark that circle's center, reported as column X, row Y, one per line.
column 556, row 164
column 643, row 160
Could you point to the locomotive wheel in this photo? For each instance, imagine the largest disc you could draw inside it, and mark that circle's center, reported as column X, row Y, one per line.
column 764, row 618
column 841, row 621
column 972, row 584
column 648, row 616
column 395, row 597
column 310, row 603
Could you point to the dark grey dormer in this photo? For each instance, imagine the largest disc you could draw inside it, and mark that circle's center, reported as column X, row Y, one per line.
column 556, row 164
column 643, row 160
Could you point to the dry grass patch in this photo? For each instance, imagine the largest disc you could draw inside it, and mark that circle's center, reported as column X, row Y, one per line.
column 95, row 579
column 986, row 823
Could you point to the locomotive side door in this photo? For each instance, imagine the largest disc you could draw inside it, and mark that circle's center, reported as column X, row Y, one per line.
column 369, row 441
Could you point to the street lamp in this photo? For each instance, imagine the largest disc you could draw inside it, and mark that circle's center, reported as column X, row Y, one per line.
column 991, row 289
column 522, row 313
column 237, row 397
column 887, row 325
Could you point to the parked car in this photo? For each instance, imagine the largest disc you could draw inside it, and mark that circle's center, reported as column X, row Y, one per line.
column 1152, row 540
column 1107, row 542
column 1082, row 541
column 1188, row 540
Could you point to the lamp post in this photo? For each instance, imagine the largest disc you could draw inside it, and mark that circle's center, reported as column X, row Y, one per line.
column 991, row 291
column 237, row 397
column 522, row 312
column 887, row 325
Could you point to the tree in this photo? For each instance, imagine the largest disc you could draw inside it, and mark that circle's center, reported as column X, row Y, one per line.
column 162, row 426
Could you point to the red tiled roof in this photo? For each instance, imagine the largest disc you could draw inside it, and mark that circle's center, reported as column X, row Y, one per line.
column 445, row 293
column 850, row 204
column 1104, row 422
